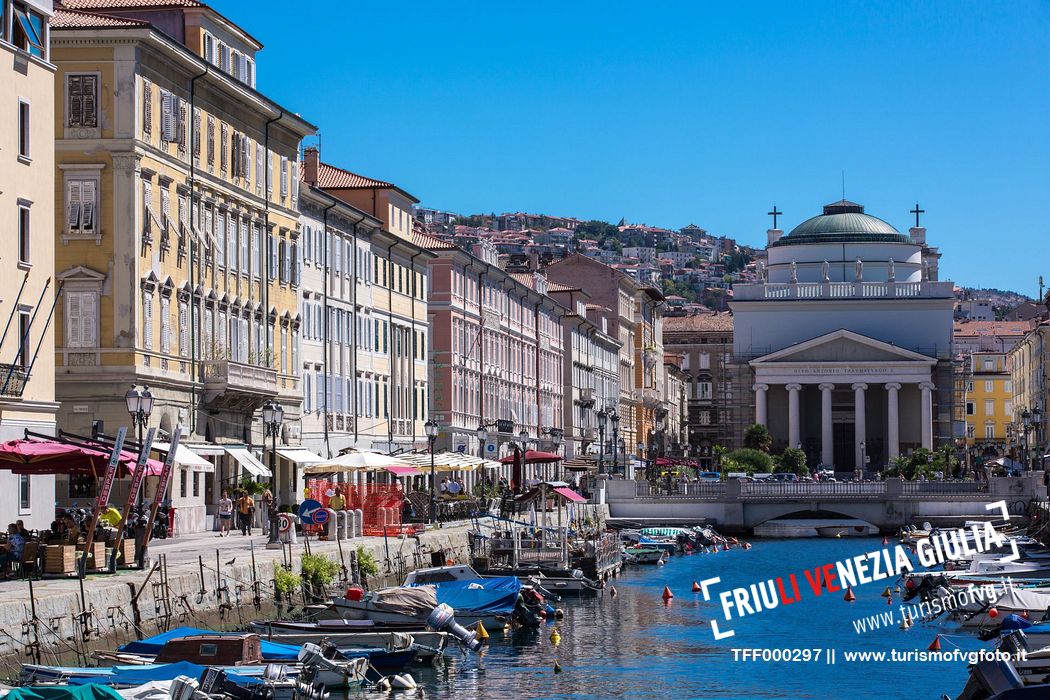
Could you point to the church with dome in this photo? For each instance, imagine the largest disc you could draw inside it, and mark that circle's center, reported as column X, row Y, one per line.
column 845, row 340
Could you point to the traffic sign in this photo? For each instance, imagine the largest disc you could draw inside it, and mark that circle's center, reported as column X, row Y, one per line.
column 312, row 512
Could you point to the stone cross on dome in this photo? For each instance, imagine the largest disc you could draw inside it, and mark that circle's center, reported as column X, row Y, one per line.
column 917, row 211
column 774, row 214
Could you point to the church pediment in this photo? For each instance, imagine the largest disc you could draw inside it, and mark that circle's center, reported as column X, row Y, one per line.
column 845, row 347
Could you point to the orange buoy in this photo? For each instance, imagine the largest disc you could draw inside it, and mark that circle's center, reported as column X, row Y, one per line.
column 886, row 593
column 696, row 587
column 993, row 613
column 935, row 645
column 725, row 547
column 849, row 597
column 667, row 593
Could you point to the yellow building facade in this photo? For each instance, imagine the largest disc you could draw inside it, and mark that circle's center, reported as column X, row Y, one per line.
column 27, row 286
column 176, row 235
column 988, row 405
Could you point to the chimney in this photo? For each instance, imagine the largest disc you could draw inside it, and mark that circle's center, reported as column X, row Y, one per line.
column 534, row 260
column 311, row 158
column 773, row 235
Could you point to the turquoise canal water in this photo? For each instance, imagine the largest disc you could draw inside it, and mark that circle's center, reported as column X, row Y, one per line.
column 635, row 646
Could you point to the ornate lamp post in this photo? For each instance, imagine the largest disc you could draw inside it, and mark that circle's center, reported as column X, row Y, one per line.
column 140, row 406
column 483, row 437
column 603, row 417
column 615, row 420
column 431, row 428
column 1026, row 427
column 273, row 419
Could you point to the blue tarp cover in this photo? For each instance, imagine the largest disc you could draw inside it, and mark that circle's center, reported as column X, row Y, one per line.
column 1016, row 622
column 485, row 596
column 64, row 692
column 271, row 651
column 131, row 676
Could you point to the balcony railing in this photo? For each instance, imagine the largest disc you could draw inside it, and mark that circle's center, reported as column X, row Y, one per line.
column 227, row 375
column 842, row 290
column 13, row 380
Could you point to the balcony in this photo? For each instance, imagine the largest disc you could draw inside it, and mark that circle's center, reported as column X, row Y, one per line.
column 650, row 398
column 13, row 380
column 843, row 290
column 235, row 385
column 587, row 397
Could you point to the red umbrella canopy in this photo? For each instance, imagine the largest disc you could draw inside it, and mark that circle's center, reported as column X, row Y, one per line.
column 51, row 457
column 534, row 457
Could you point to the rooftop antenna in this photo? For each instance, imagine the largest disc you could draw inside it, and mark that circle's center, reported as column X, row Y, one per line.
column 1040, row 287
column 843, row 185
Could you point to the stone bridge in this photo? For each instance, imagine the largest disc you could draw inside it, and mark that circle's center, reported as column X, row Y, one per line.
column 740, row 506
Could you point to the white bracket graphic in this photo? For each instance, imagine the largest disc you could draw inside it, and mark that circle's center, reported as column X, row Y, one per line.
column 1001, row 505
column 707, row 596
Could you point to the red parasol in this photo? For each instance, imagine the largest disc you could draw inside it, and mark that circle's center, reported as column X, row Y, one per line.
column 52, row 457
column 534, row 457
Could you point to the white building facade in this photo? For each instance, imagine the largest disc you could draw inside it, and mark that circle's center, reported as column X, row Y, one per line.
column 848, row 336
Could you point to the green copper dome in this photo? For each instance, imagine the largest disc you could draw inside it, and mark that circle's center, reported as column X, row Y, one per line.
column 842, row 222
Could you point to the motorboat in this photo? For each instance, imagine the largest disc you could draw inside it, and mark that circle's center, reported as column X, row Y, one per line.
column 640, row 554
column 347, row 635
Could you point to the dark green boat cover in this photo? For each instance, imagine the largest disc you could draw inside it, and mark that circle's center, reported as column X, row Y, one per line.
column 64, row 692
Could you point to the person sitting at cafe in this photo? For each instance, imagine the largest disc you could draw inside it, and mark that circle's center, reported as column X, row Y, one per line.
column 454, row 488
column 13, row 548
column 71, row 533
column 444, row 486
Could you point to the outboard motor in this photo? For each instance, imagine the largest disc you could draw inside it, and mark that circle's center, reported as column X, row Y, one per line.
column 443, row 619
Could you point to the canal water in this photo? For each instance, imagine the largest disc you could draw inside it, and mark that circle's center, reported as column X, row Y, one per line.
column 635, row 646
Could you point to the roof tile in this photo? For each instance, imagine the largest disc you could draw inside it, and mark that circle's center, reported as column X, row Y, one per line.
column 67, row 19
column 722, row 321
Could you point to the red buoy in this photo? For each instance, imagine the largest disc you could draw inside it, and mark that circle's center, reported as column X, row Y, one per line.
column 889, row 600
column 696, row 587
column 935, row 645
column 725, row 547
column 909, row 584
column 849, row 597
column 667, row 593
column 993, row 613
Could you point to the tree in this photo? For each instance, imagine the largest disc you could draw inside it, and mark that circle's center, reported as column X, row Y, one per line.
column 751, row 460
column 757, row 437
column 793, row 461
column 720, row 452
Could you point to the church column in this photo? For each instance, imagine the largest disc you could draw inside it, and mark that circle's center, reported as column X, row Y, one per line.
column 892, row 420
column 760, row 403
column 793, row 421
column 859, row 424
column 927, row 414
column 827, row 447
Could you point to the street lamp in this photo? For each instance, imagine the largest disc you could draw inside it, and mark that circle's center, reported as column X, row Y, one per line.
column 602, row 416
column 273, row 419
column 140, row 405
column 621, row 446
column 483, row 438
column 615, row 420
column 431, row 428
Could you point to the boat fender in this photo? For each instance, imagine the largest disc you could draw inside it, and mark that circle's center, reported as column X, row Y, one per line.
column 549, row 610
column 383, row 684
column 555, row 638
column 403, row 681
column 660, row 562
column 612, row 591
column 559, row 614
column 557, row 667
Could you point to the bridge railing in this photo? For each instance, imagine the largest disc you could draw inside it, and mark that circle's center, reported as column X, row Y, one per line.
column 699, row 489
column 810, row 489
column 943, row 488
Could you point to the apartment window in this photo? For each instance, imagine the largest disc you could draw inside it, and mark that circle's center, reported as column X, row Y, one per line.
column 168, row 116
column 703, row 390
column 283, row 255
column 223, row 155
column 82, row 100
column 147, row 319
column 23, row 129
column 970, row 408
column 28, row 32
column 989, row 408
column 24, row 319
column 245, row 248
column 989, row 363
column 269, row 174
column 197, row 133
column 184, row 336
column 147, row 107
column 249, row 76
column 284, row 176
column 81, row 319
column 81, row 205
column 224, row 57
column 211, row 140
column 24, row 494
column 256, row 251
column 1008, row 386
column 969, row 386
column 1008, row 408
column 209, row 48
column 23, row 234
column 989, row 431
column 165, row 325
column 258, row 168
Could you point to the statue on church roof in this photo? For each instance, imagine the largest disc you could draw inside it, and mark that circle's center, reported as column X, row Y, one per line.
column 761, row 271
column 825, row 270
column 859, row 270
column 925, row 270
column 890, row 275
column 794, row 272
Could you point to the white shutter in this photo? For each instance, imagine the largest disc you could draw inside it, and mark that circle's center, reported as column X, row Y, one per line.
column 206, row 333
column 245, row 247
column 88, row 312
column 231, row 232
column 209, row 48
column 74, row 319
column 284, row 176
column 147, row 320
column 295, row 183
column 221, row 330
column 258, row 168
column 88, row 200
column 269, row 173
column 197, row 132
column 165, row 324
column 246, row 163
column 184, row 337
column 167, row 116
column 306, row 392
column 74, row 198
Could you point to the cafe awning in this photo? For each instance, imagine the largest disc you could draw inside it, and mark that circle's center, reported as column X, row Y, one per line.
column 356, row 460
column 569, row 495
column 448, row 461
column 404, row 471
column 300, row 456
column 186, row 457
column 248, row 461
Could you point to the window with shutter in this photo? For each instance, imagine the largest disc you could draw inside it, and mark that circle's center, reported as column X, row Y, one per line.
column 295, row 183
column 246, row 161
column 180, row 126
column 165, row 211
column 230, row 236
column 211, row 140
column 147, row 107
column 74, row 206
column 196, row 133
column 235, row 155
column 147, row 319
column 168, row 109
column 222, row 349
column 296, row 265
column 74, row 319
column 82, row 99
column 282, row 270
column 306, row 393
column 209, row 48
column 256, row 251
column 223, row 154
column 147, row 210
column 184, row 336
column 319, row 381
column 269, row 173
column 89, row 204
column 258, row 168
column 284, row 176
column 165, row 324
column 224, row 57
column 250, row 72
column 245, row 248
column 206, row 335
column 183, row 204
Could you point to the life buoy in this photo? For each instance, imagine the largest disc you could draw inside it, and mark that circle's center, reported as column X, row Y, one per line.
column 283, row 524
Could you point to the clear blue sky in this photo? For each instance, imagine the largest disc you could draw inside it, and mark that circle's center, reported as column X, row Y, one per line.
column 690, row 112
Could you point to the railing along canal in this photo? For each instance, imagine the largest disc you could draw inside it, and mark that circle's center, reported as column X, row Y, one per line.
column 786, row 490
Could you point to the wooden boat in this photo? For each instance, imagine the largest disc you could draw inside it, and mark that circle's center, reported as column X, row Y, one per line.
column 640, row 554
